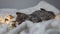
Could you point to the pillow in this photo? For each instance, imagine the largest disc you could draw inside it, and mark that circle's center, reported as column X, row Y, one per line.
column 5, row 12
column 41, row 4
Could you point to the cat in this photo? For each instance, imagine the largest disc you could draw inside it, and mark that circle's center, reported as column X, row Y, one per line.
column 35, row 17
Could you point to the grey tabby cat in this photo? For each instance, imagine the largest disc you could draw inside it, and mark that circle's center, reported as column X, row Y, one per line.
column 37, row 16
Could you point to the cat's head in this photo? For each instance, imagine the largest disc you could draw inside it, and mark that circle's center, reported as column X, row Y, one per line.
column 21, row 16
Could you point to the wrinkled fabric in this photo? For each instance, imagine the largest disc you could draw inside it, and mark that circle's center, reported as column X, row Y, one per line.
column 28, row 27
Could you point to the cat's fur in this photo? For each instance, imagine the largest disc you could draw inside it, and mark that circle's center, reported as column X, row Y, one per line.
column 21, row 17
column 43, row 14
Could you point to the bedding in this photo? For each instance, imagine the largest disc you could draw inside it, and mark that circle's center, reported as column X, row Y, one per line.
column 46, row 27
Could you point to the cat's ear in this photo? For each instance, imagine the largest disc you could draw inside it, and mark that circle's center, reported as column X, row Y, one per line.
column 18, row 13
column 42, row 9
